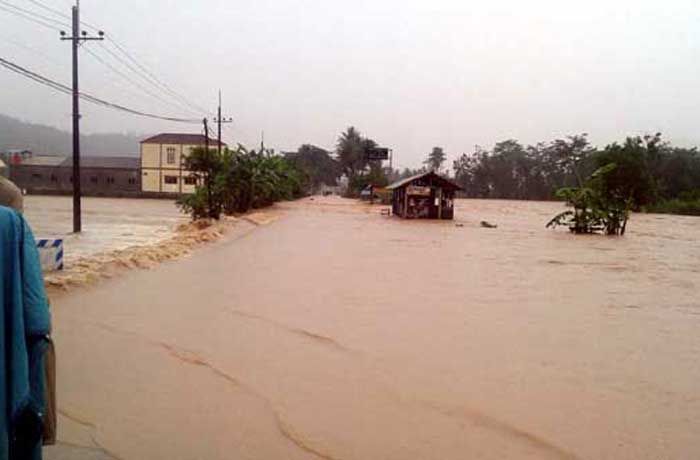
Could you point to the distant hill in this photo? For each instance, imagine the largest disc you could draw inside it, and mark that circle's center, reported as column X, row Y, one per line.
column 45, row 140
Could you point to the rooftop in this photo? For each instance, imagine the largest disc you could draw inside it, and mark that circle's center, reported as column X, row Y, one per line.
column 43, row 160
column 180, row 139
column 444, row 182
column 113, row 162
column 109, row 162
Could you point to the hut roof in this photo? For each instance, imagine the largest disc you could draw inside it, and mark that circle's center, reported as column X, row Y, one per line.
column 441, row 180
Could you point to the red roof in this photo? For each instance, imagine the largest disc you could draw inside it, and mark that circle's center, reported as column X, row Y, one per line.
column 176, row 138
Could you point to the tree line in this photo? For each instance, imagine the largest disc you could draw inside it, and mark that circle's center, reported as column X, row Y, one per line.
column 652, row 174
column 657, row 175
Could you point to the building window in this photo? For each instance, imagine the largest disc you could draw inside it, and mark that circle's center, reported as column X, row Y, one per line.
column 36, row 176
column 110, row 180
column 171, row 155
column 170, row 179
column 133, row 180
column 93, row 179
column 54, row 178
column 190, row 180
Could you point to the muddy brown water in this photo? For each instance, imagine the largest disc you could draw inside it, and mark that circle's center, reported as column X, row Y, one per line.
column 108, row 223
column 338, row 333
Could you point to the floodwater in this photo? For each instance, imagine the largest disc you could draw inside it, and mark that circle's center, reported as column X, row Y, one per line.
column 108, row 224
column 338, row 333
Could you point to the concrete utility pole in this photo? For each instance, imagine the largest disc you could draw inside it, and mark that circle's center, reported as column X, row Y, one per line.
column 76, row 38
column 219, row 120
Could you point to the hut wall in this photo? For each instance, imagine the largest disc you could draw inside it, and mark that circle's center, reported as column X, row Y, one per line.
column 438, row 204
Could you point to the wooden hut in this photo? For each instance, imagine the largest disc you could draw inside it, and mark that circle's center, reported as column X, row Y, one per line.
column 424, row 196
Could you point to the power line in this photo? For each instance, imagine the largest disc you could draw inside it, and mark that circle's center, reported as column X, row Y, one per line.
column 142, row 71
column 87, row 97
column 153, row 77
column 29, row 18
column 144, row 77
column 129, row 79
column 48, row 8
column 132, row 64
column 34, row 50
column 33, row 14
column 136, row 67
column 53, row 24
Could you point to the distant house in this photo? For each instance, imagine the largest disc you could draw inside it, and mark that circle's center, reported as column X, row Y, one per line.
column 424, row 196
column 162, row 162
column 99, row 176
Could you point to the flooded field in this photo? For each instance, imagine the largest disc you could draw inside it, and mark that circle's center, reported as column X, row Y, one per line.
column 338, row 333
column 108, row 223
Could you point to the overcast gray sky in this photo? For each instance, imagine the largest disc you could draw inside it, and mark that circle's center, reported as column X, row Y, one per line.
column 410, row 74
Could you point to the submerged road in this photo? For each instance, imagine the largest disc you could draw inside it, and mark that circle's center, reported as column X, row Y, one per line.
column 336, row 333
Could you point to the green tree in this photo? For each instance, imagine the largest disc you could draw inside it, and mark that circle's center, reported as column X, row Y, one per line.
column 318, row 165
column 239, row 180
column 570, row 155
column 595, row 209
column 632, row 179
column 678, row 172
column 351, row 153
column 469, row 173
column 205, row 165
column 436, row 158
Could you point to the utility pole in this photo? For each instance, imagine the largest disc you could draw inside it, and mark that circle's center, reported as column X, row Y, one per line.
column 206, row 135
column 76, row 38
column 219, row 121
column 208, row 178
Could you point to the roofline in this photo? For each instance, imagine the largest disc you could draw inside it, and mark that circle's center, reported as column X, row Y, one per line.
column 212, row 142
column 146, row 141
column 406, row 181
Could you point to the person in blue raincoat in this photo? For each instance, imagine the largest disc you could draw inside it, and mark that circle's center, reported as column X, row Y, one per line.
column 25, row 326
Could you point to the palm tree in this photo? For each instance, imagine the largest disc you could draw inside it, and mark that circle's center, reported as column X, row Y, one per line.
column 435, row 159
column 351, row 152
